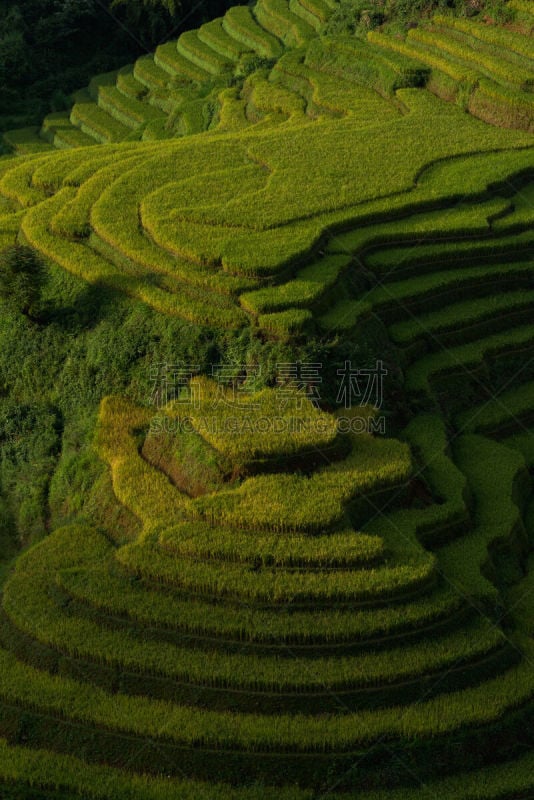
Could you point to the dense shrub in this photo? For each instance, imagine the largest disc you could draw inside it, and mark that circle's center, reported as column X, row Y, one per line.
column 349, row 17
column 22, row 276
column 29, row 444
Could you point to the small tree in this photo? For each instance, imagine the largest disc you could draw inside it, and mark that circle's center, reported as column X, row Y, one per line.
column 22, row 276
column 171, row 6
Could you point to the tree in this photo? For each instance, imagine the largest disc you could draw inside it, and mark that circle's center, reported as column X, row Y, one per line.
column 151, row 20
column 22, row 276
column 171, row 6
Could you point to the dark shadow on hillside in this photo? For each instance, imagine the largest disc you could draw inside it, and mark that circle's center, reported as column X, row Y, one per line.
column 94, row 303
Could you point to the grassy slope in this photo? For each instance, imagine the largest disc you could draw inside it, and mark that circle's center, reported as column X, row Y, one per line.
column 161, row 234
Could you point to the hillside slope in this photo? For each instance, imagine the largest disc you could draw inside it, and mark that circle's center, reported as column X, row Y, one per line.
column 228, row 611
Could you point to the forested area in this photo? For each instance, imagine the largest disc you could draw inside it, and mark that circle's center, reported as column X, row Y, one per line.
column 49, row 48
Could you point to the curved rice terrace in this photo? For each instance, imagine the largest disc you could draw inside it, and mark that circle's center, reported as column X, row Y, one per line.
column 312, row 609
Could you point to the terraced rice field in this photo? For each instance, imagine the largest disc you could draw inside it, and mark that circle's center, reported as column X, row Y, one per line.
column 301, row 623
column 485, row 70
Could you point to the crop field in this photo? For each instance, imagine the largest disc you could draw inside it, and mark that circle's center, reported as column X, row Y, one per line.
column 217, row 607
column 490, row 73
